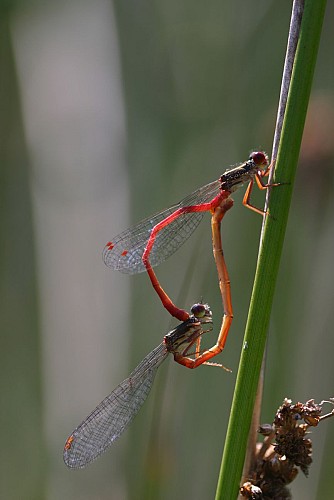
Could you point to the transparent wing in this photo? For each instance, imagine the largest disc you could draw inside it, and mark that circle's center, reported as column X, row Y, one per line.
column 110, row 418
column 124, row 252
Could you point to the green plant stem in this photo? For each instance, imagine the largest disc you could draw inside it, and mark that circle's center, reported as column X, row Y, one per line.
column 270, row 253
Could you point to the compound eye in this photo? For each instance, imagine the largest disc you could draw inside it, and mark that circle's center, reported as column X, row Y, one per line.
column 202, row 312
column 259, row 158
column 198, row 310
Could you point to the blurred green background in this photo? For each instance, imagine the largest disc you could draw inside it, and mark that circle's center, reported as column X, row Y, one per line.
column 111, row 111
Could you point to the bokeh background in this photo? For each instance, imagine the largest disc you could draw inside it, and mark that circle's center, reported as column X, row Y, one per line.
column 111, row 111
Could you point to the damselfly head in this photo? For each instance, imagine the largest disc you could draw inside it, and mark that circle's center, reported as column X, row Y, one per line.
column 259, row 158
column 202, row 312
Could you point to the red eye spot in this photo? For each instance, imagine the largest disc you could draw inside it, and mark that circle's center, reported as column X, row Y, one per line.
column 259, row 158
column 68, row 443
column 110, row 245
column 123, row 254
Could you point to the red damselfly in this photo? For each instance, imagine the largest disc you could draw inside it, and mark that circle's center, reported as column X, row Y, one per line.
column 156, row 238
column 111, row 417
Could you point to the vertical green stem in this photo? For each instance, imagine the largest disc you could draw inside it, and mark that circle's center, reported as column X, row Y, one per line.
column 270, row 252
